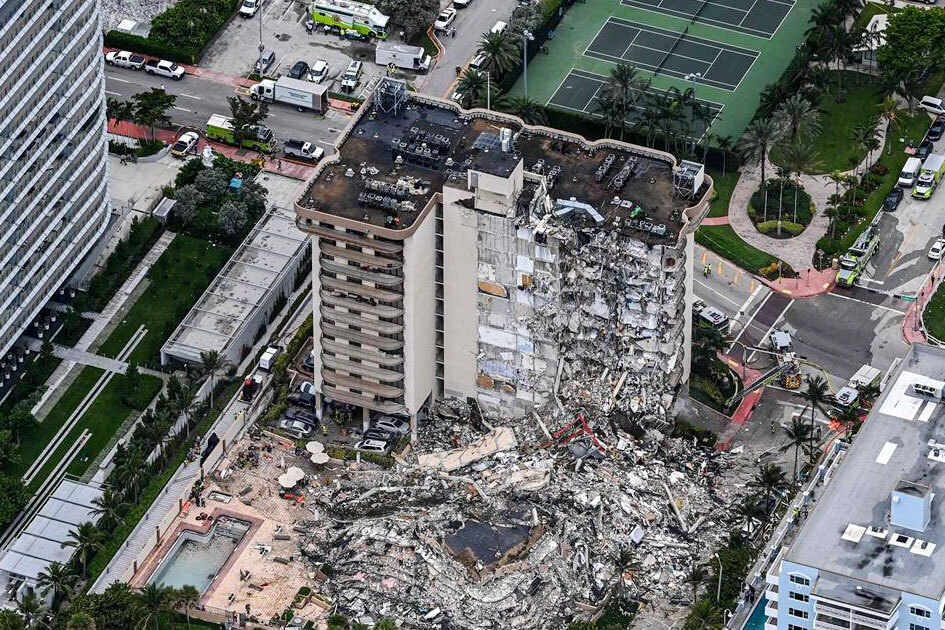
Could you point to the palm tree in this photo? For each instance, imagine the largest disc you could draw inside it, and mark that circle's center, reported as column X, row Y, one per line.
column 87, row 539
column 865, row 135
column 131, row 471
column 186, row 597
column 758, row 138
column 532, row 112
column 868, row 394
column 110, row 507
column 611, row 110
column 212, row 363
column 816, row 395
column 119, row 111
column 725, row 144
column 798, row 433
column 797, row 116
column 748, row 511
column 81, row 621
column 889, row 111
column 696, row 577
column 500, row 50
column 705, row 615
column 152, row 600
column 31, row 608
column 848, row 417
column 58, row 577
column 769, row 479
column 799, row 157
column 471, row 85
column 627, row 87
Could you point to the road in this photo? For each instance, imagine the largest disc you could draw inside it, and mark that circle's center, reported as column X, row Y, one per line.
column 198, row 98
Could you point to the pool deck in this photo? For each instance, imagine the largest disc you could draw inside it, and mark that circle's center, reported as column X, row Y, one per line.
column 271, row 586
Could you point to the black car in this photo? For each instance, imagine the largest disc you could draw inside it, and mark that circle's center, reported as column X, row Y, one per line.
column 893, row 199
column 299, row 70
column 937, row 129
column 924, row 149
column 294, row 413
column 302, row 399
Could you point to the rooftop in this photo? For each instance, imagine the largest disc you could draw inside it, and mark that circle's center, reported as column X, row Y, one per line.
column 900, row 447
column 389, row 165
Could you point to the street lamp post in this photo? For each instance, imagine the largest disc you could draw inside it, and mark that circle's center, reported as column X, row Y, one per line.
column 718, row 589
column 526, row 37
column 694, row 77
column 488, row 91
column 261, row 47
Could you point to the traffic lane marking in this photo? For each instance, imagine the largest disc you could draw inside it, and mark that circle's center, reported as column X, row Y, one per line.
column 870, row 304
column 724, row 297
column 768, row 332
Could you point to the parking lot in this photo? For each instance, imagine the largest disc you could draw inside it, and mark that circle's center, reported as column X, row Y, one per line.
column 236, row 49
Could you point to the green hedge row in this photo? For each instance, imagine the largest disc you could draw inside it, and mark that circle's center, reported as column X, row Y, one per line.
column 181, row 33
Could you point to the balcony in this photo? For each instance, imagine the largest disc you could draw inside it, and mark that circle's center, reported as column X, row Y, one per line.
column 771, row 608
column 353, row 382
column 360, row 257
column 381, row 343
column 361, row 290
column 352, row 398
column 772, row 594
column 378, row 310
column 378, row 326
column 353, row 239
column 771, row 623
column 361, row 369
column 354, row 352
column 350, row 271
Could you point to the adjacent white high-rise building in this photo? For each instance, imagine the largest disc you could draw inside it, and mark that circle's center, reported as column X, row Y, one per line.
column 53, row 152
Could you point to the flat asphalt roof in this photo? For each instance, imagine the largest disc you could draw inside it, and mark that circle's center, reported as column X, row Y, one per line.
column 901, row 444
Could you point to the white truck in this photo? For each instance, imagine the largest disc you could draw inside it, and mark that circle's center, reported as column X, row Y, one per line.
column 164, row 68
column 402, row 56
column 302, row 95
column 303, row 150
column 124, row 59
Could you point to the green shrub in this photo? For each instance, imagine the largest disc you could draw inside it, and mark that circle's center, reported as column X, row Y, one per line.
column 784, row 196
column 771, row 228
column 188, row 173
column 338, row 96
column 126, row 41
column 148, row 147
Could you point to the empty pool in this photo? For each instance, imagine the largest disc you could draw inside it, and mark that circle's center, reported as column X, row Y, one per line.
column 195, row 559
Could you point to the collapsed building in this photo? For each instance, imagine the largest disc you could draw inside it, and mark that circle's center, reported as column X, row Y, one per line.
column 486, row 527
column 465, row 254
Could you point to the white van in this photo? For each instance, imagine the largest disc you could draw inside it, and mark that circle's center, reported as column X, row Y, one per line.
column 500, row 26
column 910, row 171
column 268, row 358
column 351, row 77
column 932, row 105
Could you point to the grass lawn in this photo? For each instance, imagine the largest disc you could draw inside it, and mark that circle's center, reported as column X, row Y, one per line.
column 911, row 129
column 723, row 192
column 177, row 279
column 723, row 240
column 869, row 10
column 837, row 121
column 934, row 314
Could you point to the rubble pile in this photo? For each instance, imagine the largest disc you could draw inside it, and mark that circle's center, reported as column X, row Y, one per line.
column 614, row 307
column 144, row 11
column 527, row 536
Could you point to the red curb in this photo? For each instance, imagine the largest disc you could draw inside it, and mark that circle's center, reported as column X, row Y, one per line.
column 809, row 283
column 710, row 221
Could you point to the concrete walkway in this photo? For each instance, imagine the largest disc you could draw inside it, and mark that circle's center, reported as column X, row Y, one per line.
column 797, row 251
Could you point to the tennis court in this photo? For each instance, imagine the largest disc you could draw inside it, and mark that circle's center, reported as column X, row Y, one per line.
column 672, row 53
column 760, row 18
column 579, row 91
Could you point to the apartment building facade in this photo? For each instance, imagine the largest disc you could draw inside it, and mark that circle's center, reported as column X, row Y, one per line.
column 53, row 152
column 870, row 555
column 464, row 254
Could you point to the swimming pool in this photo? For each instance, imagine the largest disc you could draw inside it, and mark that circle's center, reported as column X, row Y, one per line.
column 756, row 621
column 195, row 559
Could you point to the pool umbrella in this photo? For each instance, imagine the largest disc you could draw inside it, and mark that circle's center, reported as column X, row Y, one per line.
column 295, row 473
column 315, row 447
column 320, row 458
column 287, row 481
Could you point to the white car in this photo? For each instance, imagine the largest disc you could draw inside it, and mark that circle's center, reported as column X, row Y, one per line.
column 307, row 387
column 124, row 59
column 318, row 71
column 444, row 19
column 164, row 68
column 185, row 144
column 935, row 252
column 373, row 446
column 932, row 105
column 249, row 7
column 393, row 424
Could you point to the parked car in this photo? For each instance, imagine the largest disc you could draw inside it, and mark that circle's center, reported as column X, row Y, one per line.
column 249, row 7
column 319, row 71
column 462, row 4
column 444, row 19
column 302, row 415
column 185, row 144
column 376, row 434
column 924, row 149
column 296, row 429
column 352, row 76
column 307, row 387
column 935, row 252
column 302, row 399
column 372, row 446
column 937, row 129
column 353, row 35
column 932, row 105
column 268, row 58
column 164, row 68
column 309, row 362
column 299, row 71
column 124, row 59
column 393, row 424
column 893, row 199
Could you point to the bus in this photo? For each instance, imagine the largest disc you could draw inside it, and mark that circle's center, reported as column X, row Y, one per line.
column 220, row 128
column 853, row 263
column 347, row 14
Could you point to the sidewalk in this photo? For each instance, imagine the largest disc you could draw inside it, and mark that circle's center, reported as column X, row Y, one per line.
column 809, row 283
column 278, row 165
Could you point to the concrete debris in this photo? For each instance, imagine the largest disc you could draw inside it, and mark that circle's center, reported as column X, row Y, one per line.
column 547, row 540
